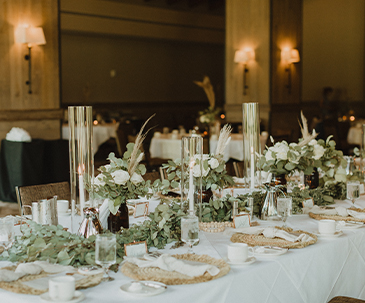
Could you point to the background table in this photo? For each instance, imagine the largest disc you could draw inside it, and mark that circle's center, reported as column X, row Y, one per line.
column 314, row 274
column 101, row 133
column 31, row 163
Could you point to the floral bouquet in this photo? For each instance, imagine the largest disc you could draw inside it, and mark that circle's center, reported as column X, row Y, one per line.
column 122, row 178
column 214, row 175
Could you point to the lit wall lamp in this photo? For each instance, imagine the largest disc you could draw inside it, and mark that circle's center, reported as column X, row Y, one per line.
column 289, row 56
column 31, row 36
column 243, row 56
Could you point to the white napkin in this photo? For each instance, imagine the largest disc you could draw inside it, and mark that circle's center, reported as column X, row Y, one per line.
column 271, row 232
column 169, row 263
column 18, row 134
column 341, row 211
column 104, row 214
column 9, row 276
column 238, row 180
column 53, row 268
column 28, row 269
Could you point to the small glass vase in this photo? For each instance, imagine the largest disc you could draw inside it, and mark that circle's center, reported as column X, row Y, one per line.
column 312, row 180
column 120, row 219
column 207, row 194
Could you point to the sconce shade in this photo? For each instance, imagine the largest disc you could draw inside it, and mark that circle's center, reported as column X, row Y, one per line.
column 290, row 55
column 242, row 56
column 30, row 35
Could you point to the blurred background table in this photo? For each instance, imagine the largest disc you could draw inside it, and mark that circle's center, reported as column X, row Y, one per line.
column 31, row 163
column 101, row 133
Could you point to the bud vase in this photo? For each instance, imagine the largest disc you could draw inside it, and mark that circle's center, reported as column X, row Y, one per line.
column 120, row 219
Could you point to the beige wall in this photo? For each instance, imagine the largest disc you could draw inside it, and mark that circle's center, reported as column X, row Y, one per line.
column 247, row 25
column 14, row 97
column 333, row 48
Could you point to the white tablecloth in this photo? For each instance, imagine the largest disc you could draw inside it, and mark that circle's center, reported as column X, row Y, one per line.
column 354, row 136
column 101, row 134
column 314, row 274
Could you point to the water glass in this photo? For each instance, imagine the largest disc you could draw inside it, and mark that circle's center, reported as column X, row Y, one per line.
column 7, row 234
column 353, row 191
column 105, row 253
column 284, row 208
column 190, row 231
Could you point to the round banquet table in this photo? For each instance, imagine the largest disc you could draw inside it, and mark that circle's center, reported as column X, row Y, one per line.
column 317, row 273
column 101, row 134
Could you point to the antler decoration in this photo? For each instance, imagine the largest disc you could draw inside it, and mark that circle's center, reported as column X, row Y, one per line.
column 208, row 88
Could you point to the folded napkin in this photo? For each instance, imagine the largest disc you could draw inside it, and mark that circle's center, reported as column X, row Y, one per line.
column 33, row 268
column 18, row 134
column 340, row 211
column 272, row 232
column 238, row 180
column 169, row 263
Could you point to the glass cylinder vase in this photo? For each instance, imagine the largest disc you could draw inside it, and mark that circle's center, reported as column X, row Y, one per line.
column 251, row 144
column 81, row 158
column 191, row 173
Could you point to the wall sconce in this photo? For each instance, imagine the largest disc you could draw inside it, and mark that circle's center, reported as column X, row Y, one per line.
column 31, row 36
column 289, row 56
column 243, row 56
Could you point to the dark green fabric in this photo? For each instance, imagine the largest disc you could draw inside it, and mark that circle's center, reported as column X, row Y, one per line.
column 32, row 163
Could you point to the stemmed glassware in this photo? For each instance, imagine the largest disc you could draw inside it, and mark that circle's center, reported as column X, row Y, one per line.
column 190, row 231
column 105, row 253
column 284, row 206
column 7, row 234
column 353, row 191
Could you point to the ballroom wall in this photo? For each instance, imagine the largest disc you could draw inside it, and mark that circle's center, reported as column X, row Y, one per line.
column 38, row 112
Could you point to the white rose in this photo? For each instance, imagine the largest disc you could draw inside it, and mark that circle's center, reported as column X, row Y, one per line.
column 136, row 178
column 318, row 151
column 294, row 156
column 214, row 163
column 268, row 155
column 281, row 150
column 313, row 142
column 120, row 177
column 197, row 173
column 98, row 180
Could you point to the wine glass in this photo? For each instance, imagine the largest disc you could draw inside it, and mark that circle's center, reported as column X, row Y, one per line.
column 105, row 253
column 284, row 206
column 7, row 234
column 353, row 191
column 190, row 231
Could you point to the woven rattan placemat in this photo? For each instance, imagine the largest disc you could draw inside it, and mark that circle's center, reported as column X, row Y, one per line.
column 261, row 240
column 339, row 218
column 175, row 278
column 21, row 288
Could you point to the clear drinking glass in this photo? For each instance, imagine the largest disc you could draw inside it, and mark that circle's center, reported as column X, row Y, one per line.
column 7, row 234
column 190, row 231
column 284, row 207
column 353, row 191
column 105, row 253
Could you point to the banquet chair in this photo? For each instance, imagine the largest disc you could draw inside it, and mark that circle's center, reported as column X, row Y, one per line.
column 163, row 173
column 341, row 299
column 28, row 194
column 238, row 169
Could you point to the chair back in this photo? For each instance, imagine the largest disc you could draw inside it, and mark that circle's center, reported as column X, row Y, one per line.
column 28, row 194
column 238, row 169
column 152, row 176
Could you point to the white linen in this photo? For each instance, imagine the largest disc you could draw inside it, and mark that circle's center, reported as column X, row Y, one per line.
column 169, row 263
column 104, row 214
column 18, row 134
column 337, row 263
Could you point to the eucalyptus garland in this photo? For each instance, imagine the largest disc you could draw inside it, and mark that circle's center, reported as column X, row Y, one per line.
column 57, row 245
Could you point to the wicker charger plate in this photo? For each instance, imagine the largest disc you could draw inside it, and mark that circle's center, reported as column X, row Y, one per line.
column 261, row 240
column 20, row 288
column 172, row 277
column 339, row 218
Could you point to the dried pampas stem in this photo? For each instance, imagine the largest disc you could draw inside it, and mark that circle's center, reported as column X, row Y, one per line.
column 208, row 88
column 135, row 160
column 307, row 137
column 224, row 138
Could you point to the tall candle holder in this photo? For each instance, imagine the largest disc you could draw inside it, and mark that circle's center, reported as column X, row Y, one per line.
column 81, row 158
column 251, row 144
column 191, row 173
